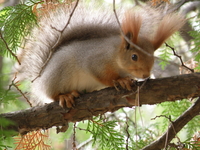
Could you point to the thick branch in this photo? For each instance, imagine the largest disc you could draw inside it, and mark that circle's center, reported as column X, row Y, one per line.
column 109, row 99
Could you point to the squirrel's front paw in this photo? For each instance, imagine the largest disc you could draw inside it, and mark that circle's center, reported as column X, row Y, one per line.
column 67, row 100
column 125, row 83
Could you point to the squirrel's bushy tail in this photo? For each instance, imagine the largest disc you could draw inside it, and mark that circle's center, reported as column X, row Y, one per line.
column 53, row 31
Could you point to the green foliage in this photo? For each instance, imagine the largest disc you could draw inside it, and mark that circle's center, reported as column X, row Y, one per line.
column 8, row 102
column 196, row 40
column 196, row 49
column 105, row 135
column 120, row 134
column 174, row 110
column 4, row 123
column 139, row 136
column 191, row 145
column 15, row 23
column 165, row 56
column 192, row 126
column 5, row 135
column 6, row 96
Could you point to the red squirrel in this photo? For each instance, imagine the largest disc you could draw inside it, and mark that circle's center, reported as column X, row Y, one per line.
column 92, row 53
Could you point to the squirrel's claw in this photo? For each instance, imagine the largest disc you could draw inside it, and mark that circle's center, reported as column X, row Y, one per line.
column 67, row 100
column 125, row 83
column 75, row 93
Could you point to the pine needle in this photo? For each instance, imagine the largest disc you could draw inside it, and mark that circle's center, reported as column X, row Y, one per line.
column 32, row 140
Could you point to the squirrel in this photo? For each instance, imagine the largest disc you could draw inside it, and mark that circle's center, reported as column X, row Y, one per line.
column 93, row 51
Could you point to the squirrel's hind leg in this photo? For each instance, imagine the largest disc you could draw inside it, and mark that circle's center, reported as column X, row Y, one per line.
column 67, row 100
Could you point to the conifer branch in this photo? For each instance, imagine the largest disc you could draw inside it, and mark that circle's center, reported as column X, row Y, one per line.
column 7, row 47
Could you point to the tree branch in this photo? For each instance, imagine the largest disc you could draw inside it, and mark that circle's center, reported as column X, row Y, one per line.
column 98, row 102
column 175, row 127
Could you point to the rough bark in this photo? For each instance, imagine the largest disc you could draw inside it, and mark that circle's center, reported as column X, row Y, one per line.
column 154, row 91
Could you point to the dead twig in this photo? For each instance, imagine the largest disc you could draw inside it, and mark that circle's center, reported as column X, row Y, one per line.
column 74, row 137
column 58, row 41
column 15, row 84
column 180, row 58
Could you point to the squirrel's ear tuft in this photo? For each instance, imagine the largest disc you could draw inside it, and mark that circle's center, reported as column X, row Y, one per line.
column 167, row 26
column 127, row 44
column 131, row 25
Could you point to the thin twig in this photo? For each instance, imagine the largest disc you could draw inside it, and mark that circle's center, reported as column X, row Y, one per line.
column 16, row 86
column 145, row 81
column 169, row 118
column 61, row 31
column 83, row 129
column 139, row 87
column 58, row 41
column 124, row 36
column 74, row 137
column 126, row 129
column 7, row 47
column 138, row 101
column 128, row 134
column 180, row 58
column 166, row 139
column 128, row 117
column 96, row 123
column 136, row 129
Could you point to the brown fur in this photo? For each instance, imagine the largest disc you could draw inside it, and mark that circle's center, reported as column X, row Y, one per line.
column 108, row 75
column 131, row 25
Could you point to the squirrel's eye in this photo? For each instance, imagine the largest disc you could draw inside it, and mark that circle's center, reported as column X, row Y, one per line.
column 134, row 57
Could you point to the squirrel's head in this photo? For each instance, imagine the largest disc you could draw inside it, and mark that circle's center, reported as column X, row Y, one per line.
column 138, row 44
column 137, row 62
